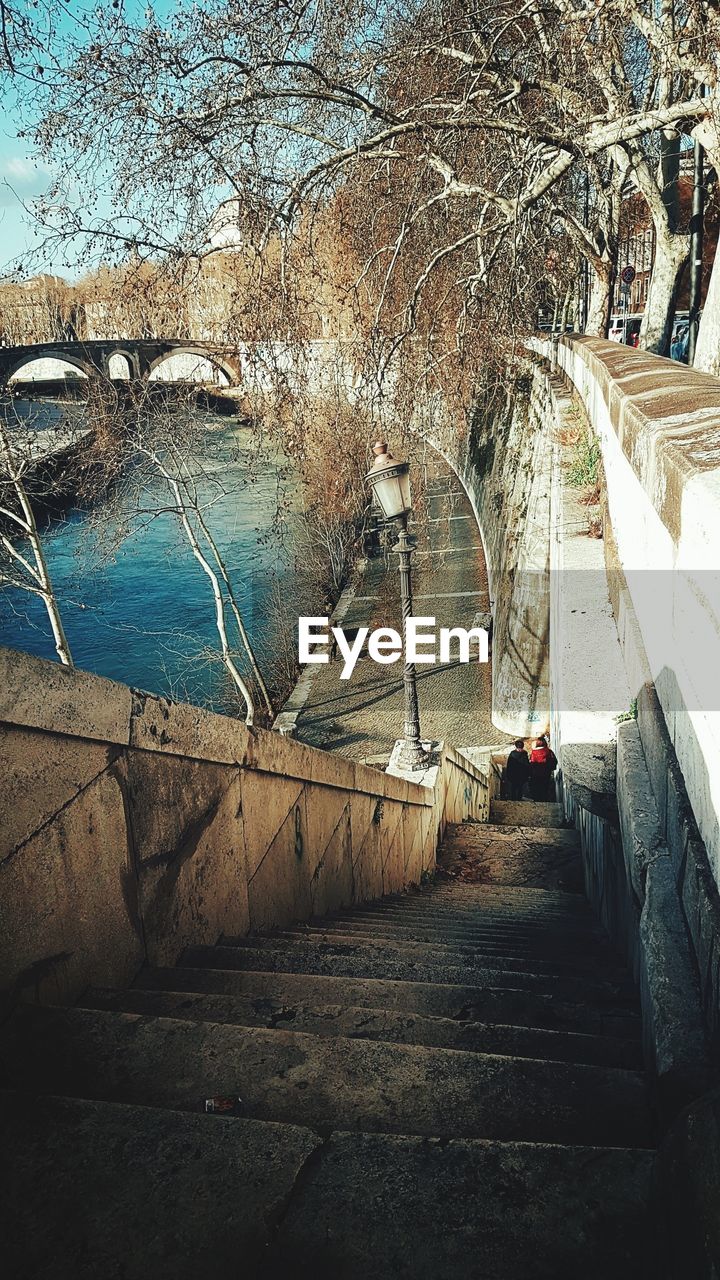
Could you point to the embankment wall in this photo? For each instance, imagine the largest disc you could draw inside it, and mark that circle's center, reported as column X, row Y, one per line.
column 502, row 456
column 131, row 827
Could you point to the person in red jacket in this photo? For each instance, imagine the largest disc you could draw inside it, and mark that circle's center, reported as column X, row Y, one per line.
column 543, row 762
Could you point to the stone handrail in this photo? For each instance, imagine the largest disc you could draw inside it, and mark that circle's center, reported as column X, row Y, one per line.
column 658, row 424
column 131, row 827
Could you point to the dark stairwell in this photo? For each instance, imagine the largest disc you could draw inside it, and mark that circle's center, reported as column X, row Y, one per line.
column 443, row 1083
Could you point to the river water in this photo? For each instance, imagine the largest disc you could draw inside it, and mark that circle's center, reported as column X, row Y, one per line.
column 136, row 604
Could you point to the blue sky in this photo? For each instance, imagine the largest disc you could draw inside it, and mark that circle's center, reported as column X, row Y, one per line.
column 22, row 179
column 23, row 176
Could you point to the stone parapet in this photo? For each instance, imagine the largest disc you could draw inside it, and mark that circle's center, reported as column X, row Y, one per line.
column 658, row 424
column 622, row 787
column 132, row 827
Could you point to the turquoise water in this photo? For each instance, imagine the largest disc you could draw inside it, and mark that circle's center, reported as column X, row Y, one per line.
column 136, row 605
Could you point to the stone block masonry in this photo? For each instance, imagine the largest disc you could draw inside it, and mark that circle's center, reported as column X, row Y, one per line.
column 658, row 424
column 648, row 871
column 132, row 827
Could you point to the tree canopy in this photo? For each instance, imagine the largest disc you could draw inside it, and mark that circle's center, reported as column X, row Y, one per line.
column 443, row 162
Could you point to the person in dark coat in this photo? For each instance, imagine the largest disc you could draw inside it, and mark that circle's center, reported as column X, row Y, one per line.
column 517, row 770
column 543, row 763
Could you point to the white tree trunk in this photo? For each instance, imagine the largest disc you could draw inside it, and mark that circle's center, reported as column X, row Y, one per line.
column 181, row 508
column 236, row 613
column 62, row 648
column 598, row 316
column 671, row 254
column 565, row 309
column 707, row 347
column 40, row 582
column 219, row 609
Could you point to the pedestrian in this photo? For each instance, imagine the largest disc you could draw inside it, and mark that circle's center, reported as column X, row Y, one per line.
column 679, row 344
column 517, row 769
column 543, row 762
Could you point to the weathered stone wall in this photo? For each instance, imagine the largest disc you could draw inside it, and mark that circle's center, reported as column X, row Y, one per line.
column 661, row 452
column 503, row 459
column 659, row 428
column 646, row 869
column 132, row 827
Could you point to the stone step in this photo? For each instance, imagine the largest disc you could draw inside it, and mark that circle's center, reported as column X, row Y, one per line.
column 178, row 1196
column 437, row 952
column 544, row 945
column 527, row 813
column 325, row 1083
column 519, row 941
column 533, row 857
column 361, row 961
column 525, row 898
column 356, row 1022
column 480, row 832
column 473, row 919
column 98, row 1189
column 425, row 1210
column 460, row 1003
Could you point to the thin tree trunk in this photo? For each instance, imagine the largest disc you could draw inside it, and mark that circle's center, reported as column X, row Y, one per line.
column 671, row 255
column 236, row 613
column 598, row 317
column 214, row 582
column 707, row 347
column 40, row 572
column 564, row 312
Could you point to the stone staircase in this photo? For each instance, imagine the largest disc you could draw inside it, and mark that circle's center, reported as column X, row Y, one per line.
column 443, row 1084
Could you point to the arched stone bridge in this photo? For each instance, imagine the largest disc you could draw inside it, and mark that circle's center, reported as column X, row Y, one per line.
column 142, row 356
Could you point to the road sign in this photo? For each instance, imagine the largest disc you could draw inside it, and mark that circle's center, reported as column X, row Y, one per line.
column 627, row 275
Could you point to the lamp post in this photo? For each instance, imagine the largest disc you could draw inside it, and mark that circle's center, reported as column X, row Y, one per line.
column 390, row 481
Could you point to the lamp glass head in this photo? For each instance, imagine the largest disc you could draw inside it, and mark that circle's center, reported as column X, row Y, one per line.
column 390, row 480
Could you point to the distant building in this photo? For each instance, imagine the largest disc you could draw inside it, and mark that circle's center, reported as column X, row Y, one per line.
column 636, row 246
column 225, row 230
column 41, row 309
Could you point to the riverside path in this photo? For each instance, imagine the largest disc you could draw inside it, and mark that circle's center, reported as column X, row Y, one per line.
column 363, row 717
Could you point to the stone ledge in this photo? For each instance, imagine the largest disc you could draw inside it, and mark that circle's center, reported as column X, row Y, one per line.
column 38, row 694
column 669, row 433
column 179, row 729
column 673, row 1021
column 639, row 821
column 672, row 1012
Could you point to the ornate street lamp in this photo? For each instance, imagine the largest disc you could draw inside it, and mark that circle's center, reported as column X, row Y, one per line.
column 390, row 481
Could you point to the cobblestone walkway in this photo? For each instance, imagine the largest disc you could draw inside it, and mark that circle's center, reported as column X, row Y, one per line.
column 362, row 717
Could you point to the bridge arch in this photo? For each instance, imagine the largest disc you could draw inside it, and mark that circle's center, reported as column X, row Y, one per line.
column 219, row 364
column 121, row 365
column 69, row 362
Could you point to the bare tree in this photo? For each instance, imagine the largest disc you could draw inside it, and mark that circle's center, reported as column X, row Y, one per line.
column 470, row 119
column 25, row 569
column 144, row 435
